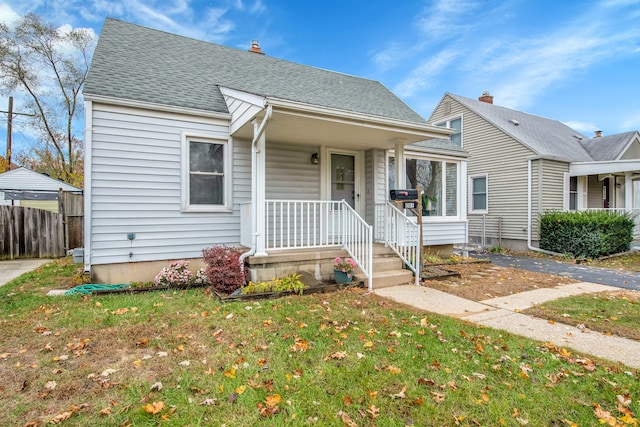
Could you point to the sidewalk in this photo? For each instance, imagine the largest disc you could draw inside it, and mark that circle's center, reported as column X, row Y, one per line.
column 11, row 269
column 503, row 313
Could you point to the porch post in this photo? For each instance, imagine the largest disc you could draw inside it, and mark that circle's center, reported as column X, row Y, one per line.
column 400, row 166
column 258, row 187
column 628, row 192
column 260, row 194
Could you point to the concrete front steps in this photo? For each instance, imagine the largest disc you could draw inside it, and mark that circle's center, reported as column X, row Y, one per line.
column 388, row 269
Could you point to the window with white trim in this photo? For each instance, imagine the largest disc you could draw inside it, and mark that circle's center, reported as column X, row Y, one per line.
column 438, row 180
column 206, row 171
column 478, row 194
column 456, row 124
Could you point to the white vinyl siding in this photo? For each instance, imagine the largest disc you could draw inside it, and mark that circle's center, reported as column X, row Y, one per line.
column 136, row 187
column 290, row 174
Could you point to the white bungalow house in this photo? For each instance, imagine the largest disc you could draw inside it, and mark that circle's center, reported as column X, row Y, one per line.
column 191, row 144
column 521, row 165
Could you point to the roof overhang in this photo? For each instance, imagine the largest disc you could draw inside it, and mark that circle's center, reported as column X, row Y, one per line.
column 299, row 123
column 605, row 167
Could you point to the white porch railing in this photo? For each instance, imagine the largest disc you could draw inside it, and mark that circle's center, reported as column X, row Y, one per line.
column 299, row 224
column 635, row 213
column 401, row 234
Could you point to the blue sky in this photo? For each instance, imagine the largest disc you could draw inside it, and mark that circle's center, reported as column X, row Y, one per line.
column 574, row 61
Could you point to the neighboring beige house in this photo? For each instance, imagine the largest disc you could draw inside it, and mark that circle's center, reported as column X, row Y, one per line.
column 521, row 165
column 24, row 187
column 191, row 144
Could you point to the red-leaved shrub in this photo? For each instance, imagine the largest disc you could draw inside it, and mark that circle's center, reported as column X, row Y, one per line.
column 223, row 268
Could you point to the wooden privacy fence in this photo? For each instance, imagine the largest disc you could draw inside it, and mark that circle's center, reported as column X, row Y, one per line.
column 30, row 233
column 71, row 206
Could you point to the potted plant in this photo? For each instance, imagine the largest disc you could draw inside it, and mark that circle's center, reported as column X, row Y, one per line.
column 427, row 202
column 343, row 269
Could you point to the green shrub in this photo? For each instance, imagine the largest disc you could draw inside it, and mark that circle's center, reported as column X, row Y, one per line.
column 586, row 234
column 288, row 283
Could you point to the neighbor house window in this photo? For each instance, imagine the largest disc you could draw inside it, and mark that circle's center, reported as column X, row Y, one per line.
column 206, row 174
column 456, row 124
column 573, row 193
column 478, row 196
column 438, row 180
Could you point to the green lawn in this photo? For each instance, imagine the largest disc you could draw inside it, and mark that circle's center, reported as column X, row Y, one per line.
column 183, row 358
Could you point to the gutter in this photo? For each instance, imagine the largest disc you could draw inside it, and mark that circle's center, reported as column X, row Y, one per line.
column 529, row 213
column 257, row 133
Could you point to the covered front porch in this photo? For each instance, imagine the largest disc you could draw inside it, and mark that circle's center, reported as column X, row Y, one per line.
column 610, row 186
column 318, row 182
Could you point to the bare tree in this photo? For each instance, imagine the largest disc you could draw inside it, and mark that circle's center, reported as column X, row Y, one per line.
column 49, row 66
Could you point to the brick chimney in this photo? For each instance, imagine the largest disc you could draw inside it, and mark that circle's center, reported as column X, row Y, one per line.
column 598, row 133
column 486, row 97
column 255, row 47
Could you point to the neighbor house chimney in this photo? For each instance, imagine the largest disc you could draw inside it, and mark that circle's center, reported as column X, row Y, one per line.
column 255, row 47
column 486, row 97
column 598, row 133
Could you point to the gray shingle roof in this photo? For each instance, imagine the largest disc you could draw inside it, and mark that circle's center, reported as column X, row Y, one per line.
column 138, row 63
column 438, row 145
column 543, row 136
column 608, row 147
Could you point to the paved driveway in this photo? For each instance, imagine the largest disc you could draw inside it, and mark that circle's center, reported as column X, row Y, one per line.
column 603, row 276
column 11, row 269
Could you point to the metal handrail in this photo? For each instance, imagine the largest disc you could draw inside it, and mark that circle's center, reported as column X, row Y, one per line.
column 401, row 234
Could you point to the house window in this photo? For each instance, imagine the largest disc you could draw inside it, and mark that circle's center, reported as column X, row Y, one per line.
column 439, row 183
column 478, row 196
column 455, row 124
column 573, row 193
column 205, row 174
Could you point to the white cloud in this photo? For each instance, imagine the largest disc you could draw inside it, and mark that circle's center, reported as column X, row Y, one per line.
column 424, row 76
column 586, row 128
column 631, row 121
column 7, row 14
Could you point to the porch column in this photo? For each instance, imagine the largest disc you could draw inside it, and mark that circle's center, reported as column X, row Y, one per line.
column 628, row 191
column 400, row 166
column 258, row 187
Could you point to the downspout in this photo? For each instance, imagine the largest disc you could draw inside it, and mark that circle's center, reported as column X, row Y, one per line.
column 88, row 183
column 529, row 212
column 257, row 133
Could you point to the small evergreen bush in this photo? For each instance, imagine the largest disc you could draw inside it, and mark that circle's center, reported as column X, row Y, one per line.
column 586, row 234
column 223, row 268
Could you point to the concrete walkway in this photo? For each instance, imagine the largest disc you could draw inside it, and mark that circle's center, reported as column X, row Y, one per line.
column 11, row 269
column 503, row 313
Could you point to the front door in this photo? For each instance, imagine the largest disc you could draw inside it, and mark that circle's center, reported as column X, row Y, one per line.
column 343, row 183
column 343, row 178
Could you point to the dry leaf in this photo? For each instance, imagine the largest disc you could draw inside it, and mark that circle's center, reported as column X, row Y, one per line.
column 346, row 419
column 400, row 395
column 156, row 386
column 154, row 408
column 373, row 411
column 339, row 355
column 51, row 385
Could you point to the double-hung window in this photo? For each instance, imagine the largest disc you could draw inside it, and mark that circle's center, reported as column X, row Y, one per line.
column 478, row 194
column 206, row 172
column 455, row 124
